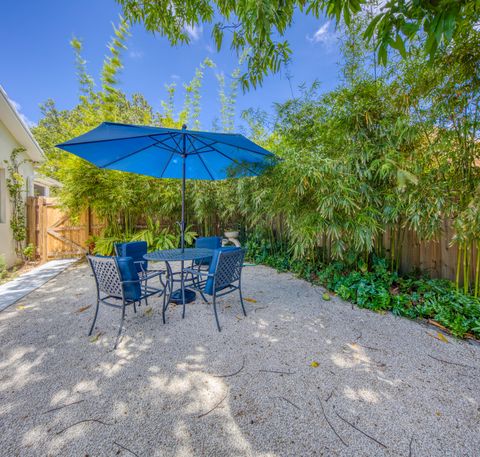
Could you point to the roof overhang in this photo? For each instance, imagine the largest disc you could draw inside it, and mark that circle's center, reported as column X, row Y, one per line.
column 18, row 129
column 46, row 181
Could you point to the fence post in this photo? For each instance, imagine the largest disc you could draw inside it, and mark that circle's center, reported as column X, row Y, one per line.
column 43, row 235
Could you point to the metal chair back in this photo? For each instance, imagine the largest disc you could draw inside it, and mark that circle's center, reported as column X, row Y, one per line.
column 107, row 275
column 229, row 267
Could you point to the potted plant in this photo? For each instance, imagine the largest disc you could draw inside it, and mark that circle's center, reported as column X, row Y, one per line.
column 231, row 233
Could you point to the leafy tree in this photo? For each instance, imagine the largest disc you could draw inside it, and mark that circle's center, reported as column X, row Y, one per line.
column 258, row 28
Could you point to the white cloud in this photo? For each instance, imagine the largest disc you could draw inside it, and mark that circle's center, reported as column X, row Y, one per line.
column 174, row 76
column 323, row 35
column 195, row 32
column 18, row 109
column 210, row 49
column 135, row 54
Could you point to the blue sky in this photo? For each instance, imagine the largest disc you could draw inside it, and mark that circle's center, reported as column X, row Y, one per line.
column 37, row 61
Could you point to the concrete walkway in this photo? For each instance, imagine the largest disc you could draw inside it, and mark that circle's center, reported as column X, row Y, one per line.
column 18, row 288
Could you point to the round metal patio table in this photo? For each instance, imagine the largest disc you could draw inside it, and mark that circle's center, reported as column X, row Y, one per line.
column 176, row 255
column 182, row 256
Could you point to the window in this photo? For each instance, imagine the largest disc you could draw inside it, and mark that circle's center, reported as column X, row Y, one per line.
column 39, row 190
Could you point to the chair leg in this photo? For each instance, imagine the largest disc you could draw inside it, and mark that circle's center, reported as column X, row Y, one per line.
column 94, row 317
column 164, row 308
column 215, row 310
column 121, row 326
column 203, row 296
column 166, row 296
column 183, row 291
column 134, row 307
column 241, row 300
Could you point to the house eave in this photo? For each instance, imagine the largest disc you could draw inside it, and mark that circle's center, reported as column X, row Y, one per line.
column 18, row 129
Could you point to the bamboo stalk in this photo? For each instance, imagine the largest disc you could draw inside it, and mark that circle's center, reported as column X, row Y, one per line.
column 465, row 269
column 477, row 269
column 392, row 248
column 457, row 273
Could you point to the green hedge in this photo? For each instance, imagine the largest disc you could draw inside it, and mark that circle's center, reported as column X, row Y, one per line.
column 375, row 287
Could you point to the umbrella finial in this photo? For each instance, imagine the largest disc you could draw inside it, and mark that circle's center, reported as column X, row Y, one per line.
column 184, row 127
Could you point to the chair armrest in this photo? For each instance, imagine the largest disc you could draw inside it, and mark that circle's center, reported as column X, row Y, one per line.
column 141, row 262
column 151, row 274
column 196, row 272
column 131, row 281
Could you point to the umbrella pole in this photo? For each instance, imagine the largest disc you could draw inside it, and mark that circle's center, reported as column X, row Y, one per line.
column 182, row 242
column 184, row 157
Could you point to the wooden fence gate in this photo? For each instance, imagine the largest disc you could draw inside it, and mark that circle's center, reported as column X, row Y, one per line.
column 54, row 233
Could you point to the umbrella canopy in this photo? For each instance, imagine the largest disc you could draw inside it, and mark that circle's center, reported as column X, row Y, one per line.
column 158, row 152
column 170, row 153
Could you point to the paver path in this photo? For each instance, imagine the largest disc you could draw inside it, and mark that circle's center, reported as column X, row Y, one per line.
column 21, row 286
column 184, row 389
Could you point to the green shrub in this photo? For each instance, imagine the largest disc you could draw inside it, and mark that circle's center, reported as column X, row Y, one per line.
column 29, row 252
column 377, row 288
column 3, row 267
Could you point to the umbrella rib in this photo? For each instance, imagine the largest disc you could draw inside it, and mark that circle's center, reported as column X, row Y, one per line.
column 229, row 158
column 199, row 150
column 165, row 147
column 126, row 156
column 79, row 143
column 206, row 168
column 200, row 157
column 140, row 150
column 162, row 143
column 166, row 165
column 236, row 146
column 179, row 149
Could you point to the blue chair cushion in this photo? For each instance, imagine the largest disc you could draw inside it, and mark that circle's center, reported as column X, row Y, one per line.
column 128, row 272
column 213, row 265
column 207, row 242
column 136, row 250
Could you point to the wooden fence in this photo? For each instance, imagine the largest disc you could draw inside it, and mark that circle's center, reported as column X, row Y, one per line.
column 54, row 233
column 57, row 235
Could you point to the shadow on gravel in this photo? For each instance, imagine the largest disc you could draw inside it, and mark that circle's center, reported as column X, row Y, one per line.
column 297, row 377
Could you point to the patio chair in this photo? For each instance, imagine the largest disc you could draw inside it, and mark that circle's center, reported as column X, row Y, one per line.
column 223, row 277
column 207, row 242
column 136, row 250
column 119, row 285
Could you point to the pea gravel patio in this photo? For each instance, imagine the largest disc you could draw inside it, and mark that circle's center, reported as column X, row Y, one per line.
column 383, row 385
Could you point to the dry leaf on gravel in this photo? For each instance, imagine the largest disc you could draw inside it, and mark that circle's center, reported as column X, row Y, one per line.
column 148, row 312
column 314, row 364
column 96, row 337
column 439, row 336
column 21, row 307
column 251, row 300
column 82, row 309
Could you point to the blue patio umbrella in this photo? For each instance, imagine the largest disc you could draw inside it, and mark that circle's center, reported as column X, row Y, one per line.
column 170, row 153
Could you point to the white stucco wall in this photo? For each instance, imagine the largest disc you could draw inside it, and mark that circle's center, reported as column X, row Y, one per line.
column 7, row 144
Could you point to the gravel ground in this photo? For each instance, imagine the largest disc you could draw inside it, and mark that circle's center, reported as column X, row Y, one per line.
column 383, row 385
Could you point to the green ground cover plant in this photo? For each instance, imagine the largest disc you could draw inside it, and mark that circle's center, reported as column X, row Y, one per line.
column 374, row 286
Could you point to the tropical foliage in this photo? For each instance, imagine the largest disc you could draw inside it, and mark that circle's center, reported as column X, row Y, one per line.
column 392, row 149
column 379, row 289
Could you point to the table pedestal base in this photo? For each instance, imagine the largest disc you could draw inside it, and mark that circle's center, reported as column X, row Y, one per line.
column 176, row 296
